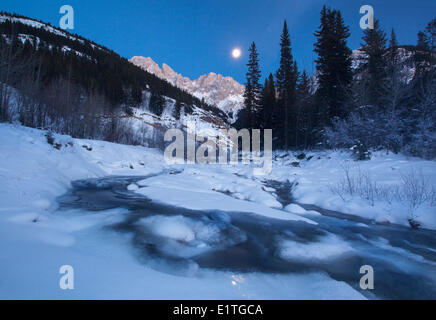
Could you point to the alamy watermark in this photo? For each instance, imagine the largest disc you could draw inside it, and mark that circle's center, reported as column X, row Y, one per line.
column 205, row 146
column 367, row 280
column 367, row 20
column 66, row 282
column 67, row 20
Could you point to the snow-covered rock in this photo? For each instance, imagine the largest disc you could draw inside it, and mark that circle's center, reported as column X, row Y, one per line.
column 223, row 92
column 36, row 240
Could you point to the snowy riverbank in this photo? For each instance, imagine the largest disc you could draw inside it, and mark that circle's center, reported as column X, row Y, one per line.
column 35, row 240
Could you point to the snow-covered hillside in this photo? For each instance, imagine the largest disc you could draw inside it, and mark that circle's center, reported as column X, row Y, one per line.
column 148, row 129
column 215, row 89
column 47, row 27
column 37, row 32
column 405, row 59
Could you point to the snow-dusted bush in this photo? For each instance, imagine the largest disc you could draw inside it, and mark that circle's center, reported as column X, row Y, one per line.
column 366, row 128
column 412, row 190
column 416, row 190
column 361, row 152
column 410, row 132
column 50, row 138
column 423, row 142
column 356, row 182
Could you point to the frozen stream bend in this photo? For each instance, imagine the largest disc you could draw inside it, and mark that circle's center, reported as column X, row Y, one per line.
column 179, row 241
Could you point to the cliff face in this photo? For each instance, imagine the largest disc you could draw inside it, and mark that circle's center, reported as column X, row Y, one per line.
column 215, row 89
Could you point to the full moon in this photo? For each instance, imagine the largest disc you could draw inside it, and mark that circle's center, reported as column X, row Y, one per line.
column 236, row 53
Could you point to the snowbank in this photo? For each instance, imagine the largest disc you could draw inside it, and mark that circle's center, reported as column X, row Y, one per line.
column 317, row 177
column 33, row 173
column 36, row 240
column 209, row 187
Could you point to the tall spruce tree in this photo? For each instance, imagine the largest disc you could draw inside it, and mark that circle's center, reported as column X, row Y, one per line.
column 286, row 79
column 252, row 93
column 393, row 57
column 395, row 89
column 268, row 102
column 422, row 41
column 393, row 46
column 374, row 66
column 424, row 80
column 430, row 35
column 333, row 66
column 304, row 119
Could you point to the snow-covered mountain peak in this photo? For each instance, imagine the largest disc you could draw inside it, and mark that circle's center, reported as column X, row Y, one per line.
column 147, row 64
column 216, row 89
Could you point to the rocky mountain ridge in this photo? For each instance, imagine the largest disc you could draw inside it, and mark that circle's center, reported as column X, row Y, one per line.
column 223, row 92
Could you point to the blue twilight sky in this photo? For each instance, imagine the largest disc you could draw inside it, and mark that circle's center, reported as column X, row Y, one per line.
column 196, row 37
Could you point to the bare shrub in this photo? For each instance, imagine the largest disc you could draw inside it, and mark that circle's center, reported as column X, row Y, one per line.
column 413, row 190
column 359, row 183
column 416, row 190
column 346, row 185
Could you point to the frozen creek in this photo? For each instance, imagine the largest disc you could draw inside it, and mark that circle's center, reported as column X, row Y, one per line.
column 179, row 241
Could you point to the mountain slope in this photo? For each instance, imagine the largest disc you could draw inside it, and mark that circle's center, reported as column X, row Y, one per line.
column 59, row 80
column 215, row 89
column 227, row 94
column 405, row 59
column 92, row 66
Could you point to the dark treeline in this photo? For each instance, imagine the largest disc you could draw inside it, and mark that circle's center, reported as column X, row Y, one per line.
column 384, row 100
column 67, row 83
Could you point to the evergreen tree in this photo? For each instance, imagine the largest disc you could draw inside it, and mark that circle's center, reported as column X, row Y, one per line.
column 374, row 67
column 393, row 58
column 286, row 79
column 304, row 119
column 393, row 48
column 395, row 89
column 430, row 35
column 268, row 102
column 422, row 41
column 333, row 66
column 424, row 81
column 157, row 103
column 252, row 93
column 426, row 50
column 177, row 110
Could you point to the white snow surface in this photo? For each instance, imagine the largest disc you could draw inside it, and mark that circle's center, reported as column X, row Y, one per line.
column 36, row 240
column 328, row 247
column 215, row 187
column 315, row 177
column 184, row 237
